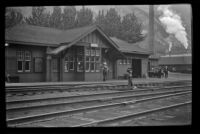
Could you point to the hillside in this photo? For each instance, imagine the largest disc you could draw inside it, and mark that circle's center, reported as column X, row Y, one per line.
column 161, row 36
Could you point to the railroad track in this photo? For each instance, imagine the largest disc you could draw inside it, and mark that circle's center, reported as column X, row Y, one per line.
column 30, row 90
column 117, row 120
column 51, row 101
column 41, row 117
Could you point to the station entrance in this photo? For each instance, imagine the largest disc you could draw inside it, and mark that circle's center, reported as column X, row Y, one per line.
column 137, row 68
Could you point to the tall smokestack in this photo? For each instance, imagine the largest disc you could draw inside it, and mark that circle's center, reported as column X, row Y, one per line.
column 151, row 29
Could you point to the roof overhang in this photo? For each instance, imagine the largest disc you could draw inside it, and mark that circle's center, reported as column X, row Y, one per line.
column 31, row 43
column 135, row 52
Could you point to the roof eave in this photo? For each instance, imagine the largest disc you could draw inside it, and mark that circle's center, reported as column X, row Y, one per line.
column 135, row 52
column 31, row 43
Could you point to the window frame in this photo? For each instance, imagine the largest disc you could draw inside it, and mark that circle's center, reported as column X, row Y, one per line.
column 95, row 52
column 88, row 64
column 71, row 61
column 92, row 62
column 80, row 61
column 66, row 64
column 27, row 60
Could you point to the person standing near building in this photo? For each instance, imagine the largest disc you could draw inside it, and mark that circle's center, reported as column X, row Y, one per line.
column 105, row 70
column 166, row 72
column 130, row 82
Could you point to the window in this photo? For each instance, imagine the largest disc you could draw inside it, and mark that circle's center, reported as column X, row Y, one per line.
column 92, row 51
column 87, row 64
column 71, row 62
column 128, row 61
column 20, row 59
column 27, row 61
column 124, row 61
column 80, row 64
column 66, row 64
column 97, row 64
column 23, row 61
column 92, row 59
column 97, row 52
column 92, row 64
column 120, row 61
column 87, row 51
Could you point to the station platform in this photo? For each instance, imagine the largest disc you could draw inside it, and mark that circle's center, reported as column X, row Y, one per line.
column 171, row 77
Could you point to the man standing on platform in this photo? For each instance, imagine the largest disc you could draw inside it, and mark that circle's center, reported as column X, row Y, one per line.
column 105, row 70
column 166, row 72
column 130, row 83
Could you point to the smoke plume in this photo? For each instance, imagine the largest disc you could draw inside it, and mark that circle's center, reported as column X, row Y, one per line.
column 173, row 24
column 170, row 46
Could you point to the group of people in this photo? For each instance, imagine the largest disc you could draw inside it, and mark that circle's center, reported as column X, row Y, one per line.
column 163, row 72
column 105, row 71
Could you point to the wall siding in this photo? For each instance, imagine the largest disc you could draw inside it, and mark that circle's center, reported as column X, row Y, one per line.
column 95, row 37
column 11, row 66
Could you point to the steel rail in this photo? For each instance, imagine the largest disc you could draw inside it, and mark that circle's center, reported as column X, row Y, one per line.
column 52, row 115
column 32, row 107
column 91, row 95
column 131, row 116
column 62, row 87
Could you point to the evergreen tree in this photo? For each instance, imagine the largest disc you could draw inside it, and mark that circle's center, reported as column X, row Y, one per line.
column 112, row 23
column 100, row 19
column 69, row 17
column 84, row 17
column 12, row 17
column 131, row 28
column 56, row 18
column 38, row 17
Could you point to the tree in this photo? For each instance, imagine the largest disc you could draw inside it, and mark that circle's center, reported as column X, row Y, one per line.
column 84, row 17
column 69, row 17
column 112, row 23
column 12, row 17
column 38, row 17
column 100, row 19
column 56, row 18
column 131, row 29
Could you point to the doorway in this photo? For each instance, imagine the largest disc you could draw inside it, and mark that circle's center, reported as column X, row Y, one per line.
column 137, row 67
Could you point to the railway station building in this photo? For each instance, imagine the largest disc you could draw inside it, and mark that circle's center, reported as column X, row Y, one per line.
column 39, row 54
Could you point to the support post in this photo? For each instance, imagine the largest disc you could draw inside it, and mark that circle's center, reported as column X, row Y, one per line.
column 48, row 68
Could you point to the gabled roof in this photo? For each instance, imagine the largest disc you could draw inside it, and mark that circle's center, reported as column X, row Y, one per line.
column 44, row 36
column 33, row 34
column 73, row 36
column 129, row 48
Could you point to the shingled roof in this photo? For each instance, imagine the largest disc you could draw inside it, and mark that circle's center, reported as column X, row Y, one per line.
column 44, row 35
column 129, row 48
column 33, row 34
column 62, row 39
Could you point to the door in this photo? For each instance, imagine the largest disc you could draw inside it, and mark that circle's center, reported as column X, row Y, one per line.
column 55, row 67
column 137, row 67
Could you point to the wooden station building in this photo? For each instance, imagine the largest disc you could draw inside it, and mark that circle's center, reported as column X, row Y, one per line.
column 39, row 54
